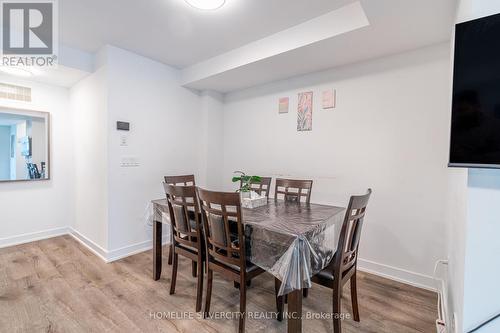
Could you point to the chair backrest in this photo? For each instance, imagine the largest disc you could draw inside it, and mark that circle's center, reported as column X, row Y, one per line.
column 293, row 189
column 218, row 209
column 263, row 186
column 347, row 250
column 185, row 180
column 184, row 209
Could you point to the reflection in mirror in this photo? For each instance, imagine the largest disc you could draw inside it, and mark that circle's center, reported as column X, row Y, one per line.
column 24, row 145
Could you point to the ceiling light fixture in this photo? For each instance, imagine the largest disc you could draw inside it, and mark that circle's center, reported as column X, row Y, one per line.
column 206, row 4
column 17, row 71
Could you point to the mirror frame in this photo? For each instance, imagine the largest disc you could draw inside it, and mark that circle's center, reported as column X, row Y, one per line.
column 34, row 113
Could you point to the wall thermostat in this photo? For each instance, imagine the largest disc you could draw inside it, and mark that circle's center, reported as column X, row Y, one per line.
column 122, row 126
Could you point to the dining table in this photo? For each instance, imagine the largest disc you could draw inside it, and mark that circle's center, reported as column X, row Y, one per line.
column 291, row 240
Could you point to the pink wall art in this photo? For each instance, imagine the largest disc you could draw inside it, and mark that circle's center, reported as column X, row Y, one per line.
column 329, row 99
column 304, row 115
column 283, row 106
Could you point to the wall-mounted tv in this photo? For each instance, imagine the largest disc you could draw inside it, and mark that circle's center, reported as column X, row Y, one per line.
column 475, row 125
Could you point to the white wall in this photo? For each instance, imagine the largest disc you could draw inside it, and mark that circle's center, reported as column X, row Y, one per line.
column 50, row 202
column 212, row 141
column 473, row 9
column 456, row 218
column 89, row 108
column 164, row 138
column 388, row 132
column 482, row 251
column 105, row 204
column 4, row 152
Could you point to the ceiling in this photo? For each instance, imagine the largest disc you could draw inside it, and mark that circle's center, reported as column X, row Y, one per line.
column 173, row 32
column 204, row 43
column 63, row 76
column 395, row 26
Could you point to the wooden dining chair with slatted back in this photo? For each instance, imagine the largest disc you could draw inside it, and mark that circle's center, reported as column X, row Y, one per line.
column 187, row 232
column 186, row 180
column 343, row 267
column 293, row 190
column 226, row 253
column 263, row 187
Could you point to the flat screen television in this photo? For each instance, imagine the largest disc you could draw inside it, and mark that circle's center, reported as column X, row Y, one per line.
column 475, row 125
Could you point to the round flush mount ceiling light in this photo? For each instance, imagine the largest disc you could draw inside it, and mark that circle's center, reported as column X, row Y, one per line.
column 206, row 4
column 17, row 71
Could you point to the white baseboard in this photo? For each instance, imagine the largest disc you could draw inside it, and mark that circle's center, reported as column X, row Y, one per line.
column 91, row 245
column 33, row 236
column 113, row 255
column 389, row 272
column 130, row 250
column 398, row 274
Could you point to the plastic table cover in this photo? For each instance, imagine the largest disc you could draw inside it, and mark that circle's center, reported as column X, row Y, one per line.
column 292, row 241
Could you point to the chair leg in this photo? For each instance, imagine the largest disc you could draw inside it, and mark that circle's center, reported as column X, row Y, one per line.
column 208, row 295
column 174, row 272
column 170, row 254
column 193, row 268
column 354, row 298
column 305, row 292
column 279, row 299
column 243, row 306
column 199, row 287
column 337, row 310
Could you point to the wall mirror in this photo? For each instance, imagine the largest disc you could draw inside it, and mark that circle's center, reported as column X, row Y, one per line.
column 24, row 145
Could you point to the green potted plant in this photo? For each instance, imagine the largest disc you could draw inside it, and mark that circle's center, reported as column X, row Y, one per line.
column 245, row 183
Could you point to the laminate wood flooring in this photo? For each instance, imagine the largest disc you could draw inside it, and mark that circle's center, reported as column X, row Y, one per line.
column 58, row 285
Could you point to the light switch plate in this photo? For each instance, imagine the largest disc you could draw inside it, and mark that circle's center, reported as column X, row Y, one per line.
column 123, row 141
column 129, row 162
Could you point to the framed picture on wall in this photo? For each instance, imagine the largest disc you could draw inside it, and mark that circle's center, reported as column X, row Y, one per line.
column 329, row 99
column 304, row 112
column 284, row 105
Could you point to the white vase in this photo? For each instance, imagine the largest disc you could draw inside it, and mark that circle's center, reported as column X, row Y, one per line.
column 245, row 195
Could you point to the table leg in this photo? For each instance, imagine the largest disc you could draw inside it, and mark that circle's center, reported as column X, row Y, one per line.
column 157, row 236
column 295, row 311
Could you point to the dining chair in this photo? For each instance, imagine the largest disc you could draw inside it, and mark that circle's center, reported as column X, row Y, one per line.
column 179, row 180
column 293, row 189
column 186, row 180
column 187, row 233
column 225, row 252
column 343, row 267
column 263, row 186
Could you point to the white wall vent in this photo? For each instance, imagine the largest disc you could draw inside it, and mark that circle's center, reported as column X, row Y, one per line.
column 15, row 93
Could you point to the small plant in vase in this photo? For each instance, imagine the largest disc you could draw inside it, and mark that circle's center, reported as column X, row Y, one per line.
column 245, row 183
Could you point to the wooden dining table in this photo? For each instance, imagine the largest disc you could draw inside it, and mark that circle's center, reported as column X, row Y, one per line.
column 292, row 241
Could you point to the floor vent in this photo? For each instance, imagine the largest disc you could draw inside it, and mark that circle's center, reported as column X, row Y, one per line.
column 15, row 93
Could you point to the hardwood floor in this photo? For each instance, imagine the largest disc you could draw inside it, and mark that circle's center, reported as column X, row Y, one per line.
column 57, row 285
